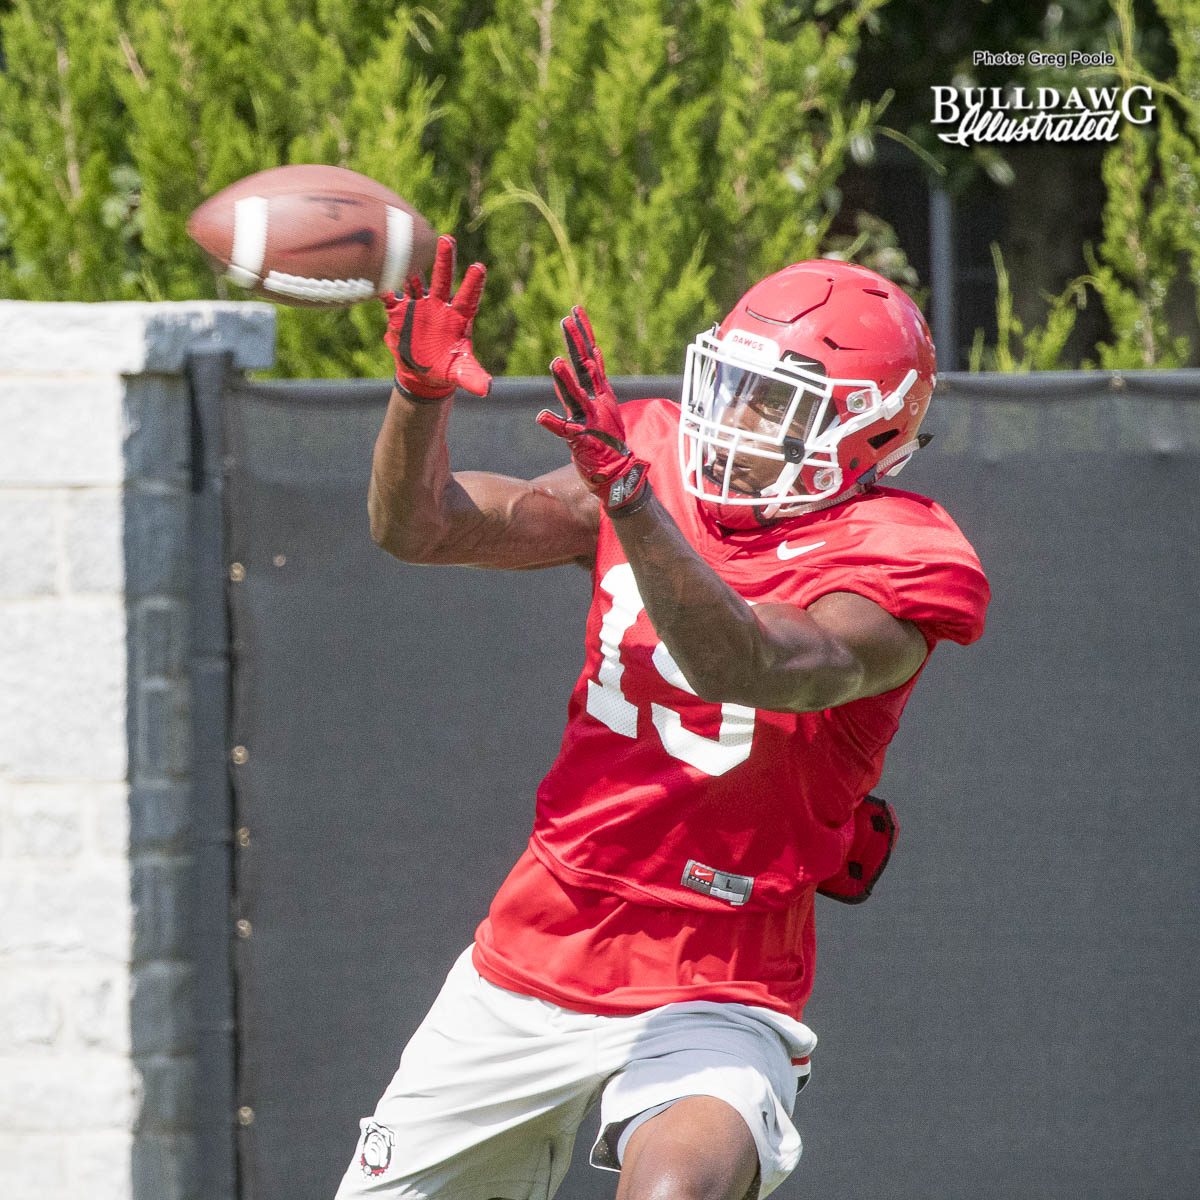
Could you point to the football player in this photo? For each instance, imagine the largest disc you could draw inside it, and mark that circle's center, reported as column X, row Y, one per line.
column 761, row 611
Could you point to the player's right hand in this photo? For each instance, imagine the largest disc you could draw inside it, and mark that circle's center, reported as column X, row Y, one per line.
column 430, row 335
column 592, row 427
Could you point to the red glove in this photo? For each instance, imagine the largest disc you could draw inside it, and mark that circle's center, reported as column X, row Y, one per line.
column 430, row 336
column 593, row 427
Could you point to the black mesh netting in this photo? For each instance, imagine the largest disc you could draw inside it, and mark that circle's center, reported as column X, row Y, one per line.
column 1012, row 1015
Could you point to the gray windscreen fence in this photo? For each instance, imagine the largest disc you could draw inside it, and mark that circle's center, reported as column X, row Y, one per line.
column 1013, row 1014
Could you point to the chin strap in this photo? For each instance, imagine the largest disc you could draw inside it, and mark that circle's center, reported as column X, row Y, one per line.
column 894, row 461
column 859, row 485
column 891, row 462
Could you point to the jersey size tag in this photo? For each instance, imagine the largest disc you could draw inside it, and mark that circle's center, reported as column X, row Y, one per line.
column 721, row 884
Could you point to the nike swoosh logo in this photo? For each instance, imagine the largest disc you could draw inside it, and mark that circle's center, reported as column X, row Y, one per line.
column 785, row 551
column 404, row 342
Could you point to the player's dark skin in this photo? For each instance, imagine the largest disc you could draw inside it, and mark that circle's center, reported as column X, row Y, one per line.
column 772, row 656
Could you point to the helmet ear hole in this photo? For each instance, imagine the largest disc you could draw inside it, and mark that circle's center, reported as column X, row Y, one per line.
column 881, row 439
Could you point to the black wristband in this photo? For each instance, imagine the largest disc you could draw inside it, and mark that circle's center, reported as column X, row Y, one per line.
column 636, row 502
column 420, row 399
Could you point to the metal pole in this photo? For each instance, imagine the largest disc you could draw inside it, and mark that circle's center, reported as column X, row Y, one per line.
column 941, row 274
column 212, row 803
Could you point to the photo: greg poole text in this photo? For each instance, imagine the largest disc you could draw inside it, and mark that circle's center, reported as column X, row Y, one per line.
column 1042, row 58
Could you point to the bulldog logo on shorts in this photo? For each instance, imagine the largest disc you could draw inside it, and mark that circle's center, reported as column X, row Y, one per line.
column 376, row 1156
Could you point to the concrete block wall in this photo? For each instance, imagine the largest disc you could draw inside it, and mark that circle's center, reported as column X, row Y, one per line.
column 97, row 1057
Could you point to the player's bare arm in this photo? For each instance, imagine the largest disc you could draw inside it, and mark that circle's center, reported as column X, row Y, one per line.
column 779, row 657
column 771, row 656
column 420, row 510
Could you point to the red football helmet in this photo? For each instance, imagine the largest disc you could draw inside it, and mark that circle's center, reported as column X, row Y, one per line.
column 812, row 387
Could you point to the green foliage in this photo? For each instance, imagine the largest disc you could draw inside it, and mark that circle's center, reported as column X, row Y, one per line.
column 1150, row 244
column 61, row 134
column 648, row 158
column 1038, row 349
column 1150, row 212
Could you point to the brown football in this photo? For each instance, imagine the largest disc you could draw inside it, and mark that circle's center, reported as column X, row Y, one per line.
column 313, row 236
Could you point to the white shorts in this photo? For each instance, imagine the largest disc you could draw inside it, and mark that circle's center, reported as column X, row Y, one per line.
column 494, row 1084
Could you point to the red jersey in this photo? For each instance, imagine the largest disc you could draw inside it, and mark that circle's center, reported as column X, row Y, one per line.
column 677, row 842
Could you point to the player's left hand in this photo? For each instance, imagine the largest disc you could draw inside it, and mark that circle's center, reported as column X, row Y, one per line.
column 430, row 335
column 593, row 428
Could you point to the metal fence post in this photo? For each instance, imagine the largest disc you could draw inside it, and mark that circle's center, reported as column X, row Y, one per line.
column 212, row 803
column 942, row 269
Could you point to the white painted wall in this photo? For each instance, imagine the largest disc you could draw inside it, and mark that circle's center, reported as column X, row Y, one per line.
column 95, row 1050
